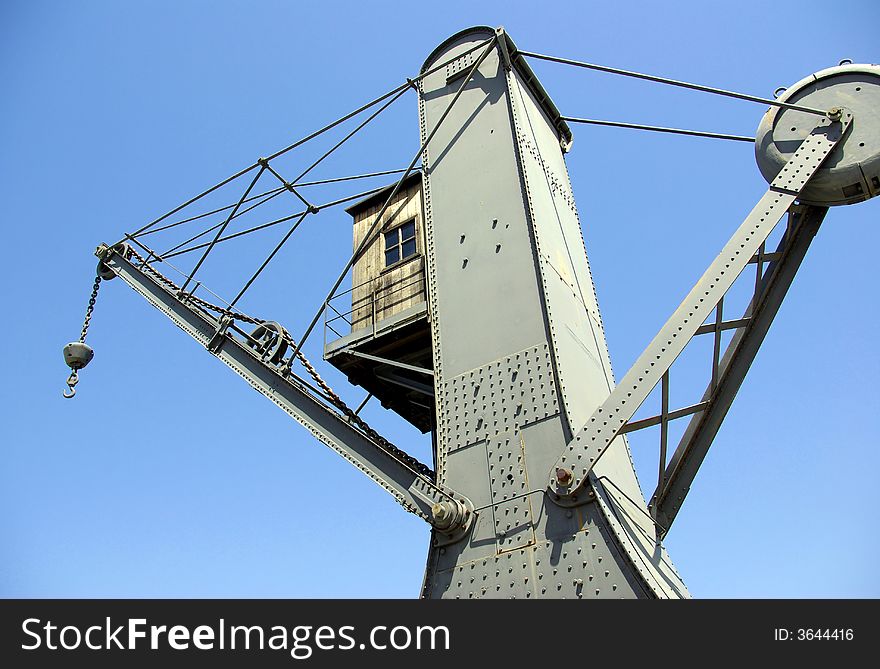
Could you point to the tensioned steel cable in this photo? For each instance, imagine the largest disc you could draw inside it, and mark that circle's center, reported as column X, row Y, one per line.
column 657, row 128
column 300, row 142
column 263, row 226
column 275, row 194
column 490, row 44
column 287, row 185
column 270, row 193
column 309, row 207
column 409, row 84
column 269, row 258
column 566, row 61
column 220, row 232
column 672, row 82
column 351, row 178
column 347, row 137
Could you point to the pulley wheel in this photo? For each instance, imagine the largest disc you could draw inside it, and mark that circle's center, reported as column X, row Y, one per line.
column 271, row 343
column 852, row 172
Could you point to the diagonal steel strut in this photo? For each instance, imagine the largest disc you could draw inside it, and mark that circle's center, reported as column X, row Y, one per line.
column 446, row 511
column 733, row 366
column 574, row 465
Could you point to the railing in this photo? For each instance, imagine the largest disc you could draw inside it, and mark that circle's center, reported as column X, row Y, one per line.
column 349, row 311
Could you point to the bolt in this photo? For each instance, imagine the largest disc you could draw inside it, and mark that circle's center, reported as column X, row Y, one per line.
column 444, row 515
column 563, row 477
column 835, row 113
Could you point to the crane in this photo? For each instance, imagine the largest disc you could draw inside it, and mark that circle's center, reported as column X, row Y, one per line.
column 531, row 492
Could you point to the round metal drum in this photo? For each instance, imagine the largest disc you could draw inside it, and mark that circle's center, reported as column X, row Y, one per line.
column 852, row 172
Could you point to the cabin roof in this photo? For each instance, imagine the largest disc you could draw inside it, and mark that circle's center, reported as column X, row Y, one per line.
column 379, row 197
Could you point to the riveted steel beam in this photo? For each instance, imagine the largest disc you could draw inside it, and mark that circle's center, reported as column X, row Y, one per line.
column 700, row 432
column 446, row 511
column 572, row 467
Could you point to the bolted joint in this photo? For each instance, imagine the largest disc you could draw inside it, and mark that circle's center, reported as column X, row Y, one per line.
column 263, row 162
column 564, row 477
column 219, row 336
column 313, row 209
column 835, row 113
column 102, row 251
column 105, row 252
column 449, row 515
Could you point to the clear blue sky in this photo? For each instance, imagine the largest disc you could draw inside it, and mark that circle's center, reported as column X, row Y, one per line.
column 168, row 476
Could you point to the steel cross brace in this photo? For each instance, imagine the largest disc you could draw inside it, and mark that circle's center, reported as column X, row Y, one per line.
column 675, row 482
column 448, row 512
column 574, row 465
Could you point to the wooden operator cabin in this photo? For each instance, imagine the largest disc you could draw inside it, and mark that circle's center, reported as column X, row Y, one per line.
column 377, row 333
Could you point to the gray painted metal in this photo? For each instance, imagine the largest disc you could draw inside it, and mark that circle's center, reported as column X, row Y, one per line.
column 413, row 491
column 804, row 222
column 852, row 172
column 607, row 421
column 393, row 363
column 522, row 378
column 519, row 351
column 77, row 355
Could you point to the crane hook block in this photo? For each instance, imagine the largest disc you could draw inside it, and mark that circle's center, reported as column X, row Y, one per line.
column 852, row 171
column 77, row 355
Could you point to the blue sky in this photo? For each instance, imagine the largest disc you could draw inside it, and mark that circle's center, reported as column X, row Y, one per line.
column 168, row 476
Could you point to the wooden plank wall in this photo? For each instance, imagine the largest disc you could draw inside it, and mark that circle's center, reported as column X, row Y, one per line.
column 399, row 287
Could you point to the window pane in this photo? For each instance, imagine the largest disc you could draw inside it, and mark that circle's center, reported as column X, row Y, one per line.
column 408, row 230
column 409, row 248
column 392, row 255
column 390, row 239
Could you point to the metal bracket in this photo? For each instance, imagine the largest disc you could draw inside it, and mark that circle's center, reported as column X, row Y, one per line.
column 580, row 455
column 404, row 382
column 216, row 342
column 386, row 361
column 582, row 497
column 442, row 538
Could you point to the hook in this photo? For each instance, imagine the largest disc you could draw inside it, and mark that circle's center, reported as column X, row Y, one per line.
column 72, row 380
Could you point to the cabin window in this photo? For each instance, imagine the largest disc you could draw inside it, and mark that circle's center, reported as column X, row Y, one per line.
column 400, row 243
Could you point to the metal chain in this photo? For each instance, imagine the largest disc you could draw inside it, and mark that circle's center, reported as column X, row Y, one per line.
column 90, row 309
column 79, row 359
column 360, row 422
column 334, row 399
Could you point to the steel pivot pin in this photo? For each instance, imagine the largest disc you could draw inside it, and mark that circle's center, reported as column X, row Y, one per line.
column 445, row 514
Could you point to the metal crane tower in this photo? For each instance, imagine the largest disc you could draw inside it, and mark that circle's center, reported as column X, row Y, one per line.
column 533, row 493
